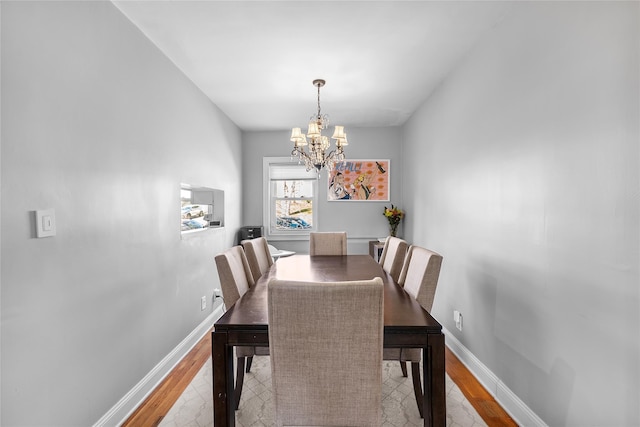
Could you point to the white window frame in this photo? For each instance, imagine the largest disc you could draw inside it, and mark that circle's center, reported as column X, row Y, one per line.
column 268, row 207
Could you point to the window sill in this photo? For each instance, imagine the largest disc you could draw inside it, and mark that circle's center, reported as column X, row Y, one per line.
column 189, row 234
column 276, row 237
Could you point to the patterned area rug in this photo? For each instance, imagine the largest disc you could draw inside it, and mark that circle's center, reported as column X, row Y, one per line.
column 194, row 407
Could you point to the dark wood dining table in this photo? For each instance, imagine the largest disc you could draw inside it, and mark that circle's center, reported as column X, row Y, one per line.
column 406, row 325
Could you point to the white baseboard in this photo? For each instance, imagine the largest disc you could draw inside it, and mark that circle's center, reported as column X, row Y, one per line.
column 121, row 411
column 511, row 403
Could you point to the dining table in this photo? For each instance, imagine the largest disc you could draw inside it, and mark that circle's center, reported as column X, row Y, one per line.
column 406, row 325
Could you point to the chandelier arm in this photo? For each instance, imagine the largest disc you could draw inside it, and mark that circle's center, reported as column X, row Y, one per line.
column 303, row 157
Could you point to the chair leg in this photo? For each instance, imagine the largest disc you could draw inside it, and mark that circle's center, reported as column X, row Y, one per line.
column 239, row 382
column 417, row 386
column 249, row 360
column 403, row 366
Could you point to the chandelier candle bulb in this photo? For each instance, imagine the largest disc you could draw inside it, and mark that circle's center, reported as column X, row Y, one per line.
column 313, row 131
column 338, row 133
column 298, row 138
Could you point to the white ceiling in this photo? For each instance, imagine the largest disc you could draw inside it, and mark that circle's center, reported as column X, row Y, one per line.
column 256, row 59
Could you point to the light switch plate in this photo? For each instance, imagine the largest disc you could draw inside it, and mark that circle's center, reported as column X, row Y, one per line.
column 45, row 223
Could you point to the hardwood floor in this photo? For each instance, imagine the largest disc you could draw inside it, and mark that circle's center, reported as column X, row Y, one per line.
column 156, row 406
column 490, row 411
column 160, row 401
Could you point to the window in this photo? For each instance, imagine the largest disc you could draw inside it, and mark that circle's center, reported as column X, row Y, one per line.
column 200, row 207
column 290, row 198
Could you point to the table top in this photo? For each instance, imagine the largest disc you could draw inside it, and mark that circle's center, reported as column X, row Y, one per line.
column 402, row 313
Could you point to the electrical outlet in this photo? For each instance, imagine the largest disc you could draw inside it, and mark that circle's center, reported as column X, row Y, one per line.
column 457, row 317
column 217, row 293
column 203, row 303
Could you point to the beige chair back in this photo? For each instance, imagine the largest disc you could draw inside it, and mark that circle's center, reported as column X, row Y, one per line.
column 328, row 243
column 326, row 358
column 393, row 254
column 419, row 277
column 420, row 274
column 258, row 256
column 235, row 274
column 236, row 279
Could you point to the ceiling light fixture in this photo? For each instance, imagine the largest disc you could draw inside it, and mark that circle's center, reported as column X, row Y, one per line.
column 316, row 157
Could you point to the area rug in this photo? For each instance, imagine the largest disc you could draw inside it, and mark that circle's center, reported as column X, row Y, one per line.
column 194, row 407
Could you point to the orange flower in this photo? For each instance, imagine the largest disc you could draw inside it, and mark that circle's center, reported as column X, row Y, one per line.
column 394, row 214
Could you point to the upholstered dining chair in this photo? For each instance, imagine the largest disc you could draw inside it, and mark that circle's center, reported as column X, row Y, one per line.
column 235, row 279
column 258, row 256
column 326, row 364
column 419, row 277
column 393, row 254
column 328, row 243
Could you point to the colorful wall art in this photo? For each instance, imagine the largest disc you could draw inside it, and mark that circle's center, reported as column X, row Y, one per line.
column 359, row 180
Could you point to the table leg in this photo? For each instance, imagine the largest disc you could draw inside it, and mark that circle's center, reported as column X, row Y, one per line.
column 434, row 399
column 222, row 358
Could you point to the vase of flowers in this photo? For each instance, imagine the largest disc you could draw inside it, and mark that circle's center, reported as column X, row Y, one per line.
column 394, row 215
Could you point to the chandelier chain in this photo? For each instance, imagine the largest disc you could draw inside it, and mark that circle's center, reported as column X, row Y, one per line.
column 319, row 102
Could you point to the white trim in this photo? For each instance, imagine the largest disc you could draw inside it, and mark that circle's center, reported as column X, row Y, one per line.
column 121, row 411
column 511, row 403
column 268, row 210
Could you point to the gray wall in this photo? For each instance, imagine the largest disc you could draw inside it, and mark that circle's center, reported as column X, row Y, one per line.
column 100, row 126
column 524, row 166
column 363, row 221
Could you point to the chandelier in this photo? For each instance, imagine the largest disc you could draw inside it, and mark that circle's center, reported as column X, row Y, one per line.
column 316, row 156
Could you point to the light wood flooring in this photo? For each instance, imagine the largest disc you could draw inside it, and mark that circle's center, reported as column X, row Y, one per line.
column 156, row 406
